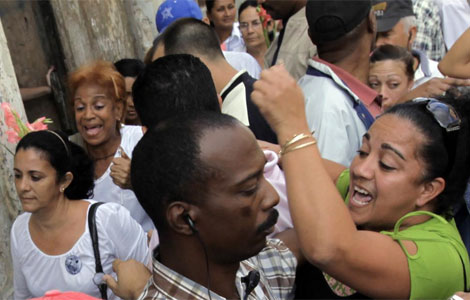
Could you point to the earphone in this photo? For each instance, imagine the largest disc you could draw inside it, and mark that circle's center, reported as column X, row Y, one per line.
column 190, row 222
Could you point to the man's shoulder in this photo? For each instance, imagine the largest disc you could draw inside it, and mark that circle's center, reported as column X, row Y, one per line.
column 299, row 17
column 277, row 266
column 322, row 87
column 275, row 255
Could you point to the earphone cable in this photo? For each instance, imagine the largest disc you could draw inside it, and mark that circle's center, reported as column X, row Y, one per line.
column 207, row 264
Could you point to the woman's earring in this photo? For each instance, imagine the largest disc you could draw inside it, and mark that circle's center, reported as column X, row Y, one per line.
column 62, row 189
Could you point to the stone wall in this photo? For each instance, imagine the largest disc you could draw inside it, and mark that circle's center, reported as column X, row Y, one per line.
column 105, row 29
column 108, row 30
column 9, row 204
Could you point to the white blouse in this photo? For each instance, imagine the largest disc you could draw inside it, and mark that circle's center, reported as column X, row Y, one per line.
column 106, row 191
column 35, row 272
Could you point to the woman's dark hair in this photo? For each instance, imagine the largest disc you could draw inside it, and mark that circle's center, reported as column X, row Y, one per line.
column 445, row 154
column 209, row 5
column 64, row 156
column 245, row 5
column 392, row 52
column 129, row 67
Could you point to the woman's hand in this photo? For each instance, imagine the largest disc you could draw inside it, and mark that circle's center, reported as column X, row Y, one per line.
column 281, row 102
column 121, row 171
column 434, row 87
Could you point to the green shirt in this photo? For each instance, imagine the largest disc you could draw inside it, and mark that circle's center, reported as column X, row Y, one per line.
column 437, row 269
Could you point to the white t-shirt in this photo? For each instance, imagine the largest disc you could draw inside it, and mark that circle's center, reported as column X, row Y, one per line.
column 106, row 191
column 455, row 15
column 35, row 272
column 243, row 61
column 235, row 41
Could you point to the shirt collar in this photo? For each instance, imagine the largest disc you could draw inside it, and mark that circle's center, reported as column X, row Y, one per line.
column 172, row 283
column 365, row 93
column 169, row 282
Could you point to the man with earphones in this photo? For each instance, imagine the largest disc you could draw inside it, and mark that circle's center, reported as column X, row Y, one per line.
column 200, row 178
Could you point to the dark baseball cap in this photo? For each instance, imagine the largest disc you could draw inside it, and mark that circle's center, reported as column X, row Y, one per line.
column 389, row 12
column 328, row 20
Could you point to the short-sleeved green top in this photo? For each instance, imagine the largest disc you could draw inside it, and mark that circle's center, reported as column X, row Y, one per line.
column 440, row 266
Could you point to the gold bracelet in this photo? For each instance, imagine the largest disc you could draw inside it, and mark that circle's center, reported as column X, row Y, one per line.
column 285, row 151
column 296, row 138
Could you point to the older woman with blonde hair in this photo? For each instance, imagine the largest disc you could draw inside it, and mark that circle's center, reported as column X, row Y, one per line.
column 98, row 97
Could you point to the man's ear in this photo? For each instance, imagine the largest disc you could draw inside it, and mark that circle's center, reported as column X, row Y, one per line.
column 430, row 190
column 177, row 214
column 372, row 22
column 412, row 36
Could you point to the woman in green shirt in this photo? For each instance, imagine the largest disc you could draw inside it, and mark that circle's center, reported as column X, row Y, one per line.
column 395, row 237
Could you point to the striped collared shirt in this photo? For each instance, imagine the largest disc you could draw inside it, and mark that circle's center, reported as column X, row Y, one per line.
column 275, row 263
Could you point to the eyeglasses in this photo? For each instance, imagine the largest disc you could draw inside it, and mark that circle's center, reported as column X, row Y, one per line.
column 444, row 114
column 254, row 24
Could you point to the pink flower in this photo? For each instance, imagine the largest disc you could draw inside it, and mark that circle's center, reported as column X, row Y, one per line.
column 16, row 128
column 263, row 15
column 10, row 119
column 266, row 20
column 37, row 125
column 12, row 136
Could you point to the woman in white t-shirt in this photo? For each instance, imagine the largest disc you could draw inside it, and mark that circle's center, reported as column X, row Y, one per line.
column 99, row 101
column 50, row 242
column 222, row 15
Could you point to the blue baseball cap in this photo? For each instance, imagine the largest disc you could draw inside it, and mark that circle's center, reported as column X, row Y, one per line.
column 172, row 10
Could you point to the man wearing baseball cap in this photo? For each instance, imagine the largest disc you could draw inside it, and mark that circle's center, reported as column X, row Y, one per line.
column 340, row 107
column 172, row 10
column 396, row 25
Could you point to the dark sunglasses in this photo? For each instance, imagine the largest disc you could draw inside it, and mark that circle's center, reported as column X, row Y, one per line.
column 444, row 114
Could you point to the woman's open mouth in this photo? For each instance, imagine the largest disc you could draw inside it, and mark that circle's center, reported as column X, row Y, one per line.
column 360, row 197
column 93, row 130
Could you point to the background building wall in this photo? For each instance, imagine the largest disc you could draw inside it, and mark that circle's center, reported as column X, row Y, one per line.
column 67, row 34
column 9, row 204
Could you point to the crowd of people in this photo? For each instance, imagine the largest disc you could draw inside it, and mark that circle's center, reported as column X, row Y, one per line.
column 311, row 150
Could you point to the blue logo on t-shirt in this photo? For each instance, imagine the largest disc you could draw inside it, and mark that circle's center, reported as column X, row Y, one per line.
column 73, row 264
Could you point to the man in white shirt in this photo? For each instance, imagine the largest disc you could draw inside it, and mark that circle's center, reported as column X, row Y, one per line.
column 455, row 15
